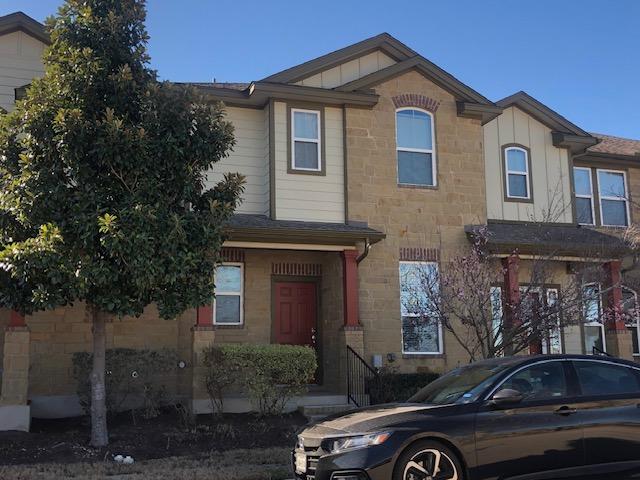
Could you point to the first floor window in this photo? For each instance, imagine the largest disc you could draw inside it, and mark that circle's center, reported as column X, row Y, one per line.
column 553, row 343
column 421, row 329
column 594, row 340
column 496, row 317
column 632, row 317
column 305, row 140
column 228, row 302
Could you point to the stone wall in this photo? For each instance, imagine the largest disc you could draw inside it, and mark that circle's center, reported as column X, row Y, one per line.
column 411, row 217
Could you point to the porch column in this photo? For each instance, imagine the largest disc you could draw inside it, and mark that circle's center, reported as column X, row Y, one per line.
column 352, row 331
column 618, row 339
column 510, row 266
column 350, row 290
column 511, row 289
column 203, row 336
column 14, row 408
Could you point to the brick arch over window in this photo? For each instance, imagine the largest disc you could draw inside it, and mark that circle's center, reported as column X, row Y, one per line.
column 416, row 100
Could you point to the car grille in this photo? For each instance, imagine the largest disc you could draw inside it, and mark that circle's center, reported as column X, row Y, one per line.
column 313, row 455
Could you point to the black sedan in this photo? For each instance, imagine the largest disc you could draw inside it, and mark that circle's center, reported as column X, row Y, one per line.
column 525, row 418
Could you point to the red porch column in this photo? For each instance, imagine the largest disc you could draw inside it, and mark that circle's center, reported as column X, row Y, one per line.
column 205, row 315
column 16, row 319
column 511, row 297
column 613, row 280
column 350, row 290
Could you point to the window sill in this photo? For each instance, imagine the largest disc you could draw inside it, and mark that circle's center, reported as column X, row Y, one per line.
column 231, row 326
column 518, row 200
column 417, row 186
column 297, row 171
column 423, row 355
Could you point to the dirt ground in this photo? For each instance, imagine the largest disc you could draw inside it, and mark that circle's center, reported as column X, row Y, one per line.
column 65, row 441
column 258, row 464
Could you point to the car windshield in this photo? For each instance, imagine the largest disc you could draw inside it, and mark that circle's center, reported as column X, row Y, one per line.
column 462, row 385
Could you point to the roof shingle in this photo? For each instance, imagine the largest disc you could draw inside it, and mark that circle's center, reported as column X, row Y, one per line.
column 615, row 145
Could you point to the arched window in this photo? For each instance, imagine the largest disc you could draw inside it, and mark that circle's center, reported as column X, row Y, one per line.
column 517, row 174
column 415, row 145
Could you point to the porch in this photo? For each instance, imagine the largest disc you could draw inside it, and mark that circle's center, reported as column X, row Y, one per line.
column 280, row 282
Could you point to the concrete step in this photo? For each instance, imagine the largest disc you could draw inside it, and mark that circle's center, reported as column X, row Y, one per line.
column 318, row 412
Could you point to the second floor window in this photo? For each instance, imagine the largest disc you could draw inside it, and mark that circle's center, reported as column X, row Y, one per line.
column 613, row 198
column 516, row 164
column 415, row 147
column 584, row 195
column 601, row 197
column 305, row 140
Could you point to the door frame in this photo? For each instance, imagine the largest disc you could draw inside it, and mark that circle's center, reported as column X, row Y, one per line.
column 301, row 279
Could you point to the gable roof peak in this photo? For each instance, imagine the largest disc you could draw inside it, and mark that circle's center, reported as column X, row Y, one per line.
column 20, row 21
column 542, row 113
column 384, row 41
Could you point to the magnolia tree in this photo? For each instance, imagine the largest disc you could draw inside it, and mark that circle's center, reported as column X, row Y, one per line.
column 467, row 297
column 102, row 182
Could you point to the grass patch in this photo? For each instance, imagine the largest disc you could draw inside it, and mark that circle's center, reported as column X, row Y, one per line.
column 255, row 464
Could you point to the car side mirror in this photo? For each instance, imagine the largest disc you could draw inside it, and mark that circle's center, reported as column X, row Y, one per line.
column 506, row 396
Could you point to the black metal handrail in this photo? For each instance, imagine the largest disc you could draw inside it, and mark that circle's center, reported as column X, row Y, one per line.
column 596, row 351
column 359, row 376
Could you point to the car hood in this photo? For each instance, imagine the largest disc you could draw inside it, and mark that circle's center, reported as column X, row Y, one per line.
column 367, row 419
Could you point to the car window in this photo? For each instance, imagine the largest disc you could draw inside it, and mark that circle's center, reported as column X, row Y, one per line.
column 600, row 378
column 541, row 381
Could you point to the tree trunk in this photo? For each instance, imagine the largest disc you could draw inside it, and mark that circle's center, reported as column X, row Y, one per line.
column 99, row 433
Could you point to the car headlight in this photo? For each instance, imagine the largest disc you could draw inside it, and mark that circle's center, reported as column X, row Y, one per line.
column 341, row 444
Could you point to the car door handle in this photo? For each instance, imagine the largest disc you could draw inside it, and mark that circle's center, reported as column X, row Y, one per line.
column 565, row 411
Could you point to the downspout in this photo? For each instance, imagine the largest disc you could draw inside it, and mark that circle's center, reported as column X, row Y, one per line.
column 363, row 255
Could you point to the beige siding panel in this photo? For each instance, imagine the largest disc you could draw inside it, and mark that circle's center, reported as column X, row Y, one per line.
column 20, row 63
column 493, row 175
column 384, row 61
column 247, row 158
column 317, row 198
column 549, row 170
column 349, row 71
column 314, row 81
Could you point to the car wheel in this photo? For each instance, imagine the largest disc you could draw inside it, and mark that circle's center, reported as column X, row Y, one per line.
column 428, row 460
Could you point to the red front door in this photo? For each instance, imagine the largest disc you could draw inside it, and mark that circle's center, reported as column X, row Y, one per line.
column 295, row 311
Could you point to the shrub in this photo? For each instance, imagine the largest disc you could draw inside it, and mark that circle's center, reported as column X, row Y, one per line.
column 391, row 387
column 221, row 373
column 129, row 373
column 271, row 374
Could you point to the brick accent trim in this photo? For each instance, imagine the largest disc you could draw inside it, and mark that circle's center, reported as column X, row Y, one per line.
column 232, row 255
column 416, row 100
column 411, row 254
column 297, row 269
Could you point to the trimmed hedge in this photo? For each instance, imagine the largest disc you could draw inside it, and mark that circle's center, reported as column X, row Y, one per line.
column 397, row 387
column 270, row 374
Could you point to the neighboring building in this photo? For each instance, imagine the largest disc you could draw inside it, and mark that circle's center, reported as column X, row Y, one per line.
column 360, row 164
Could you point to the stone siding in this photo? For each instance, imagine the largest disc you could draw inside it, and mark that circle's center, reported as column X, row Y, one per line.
column 411, row 217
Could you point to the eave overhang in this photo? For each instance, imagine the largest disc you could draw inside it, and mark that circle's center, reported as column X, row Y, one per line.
column 553, row 241
column 575, row 143
column 484, row 113
column 610, row 159
column 258, row 95
column 258, row 228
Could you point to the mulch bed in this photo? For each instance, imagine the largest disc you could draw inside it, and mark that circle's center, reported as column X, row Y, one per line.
column 67, row 440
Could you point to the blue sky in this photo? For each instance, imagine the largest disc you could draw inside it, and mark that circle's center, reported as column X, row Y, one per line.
column 580, row 57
